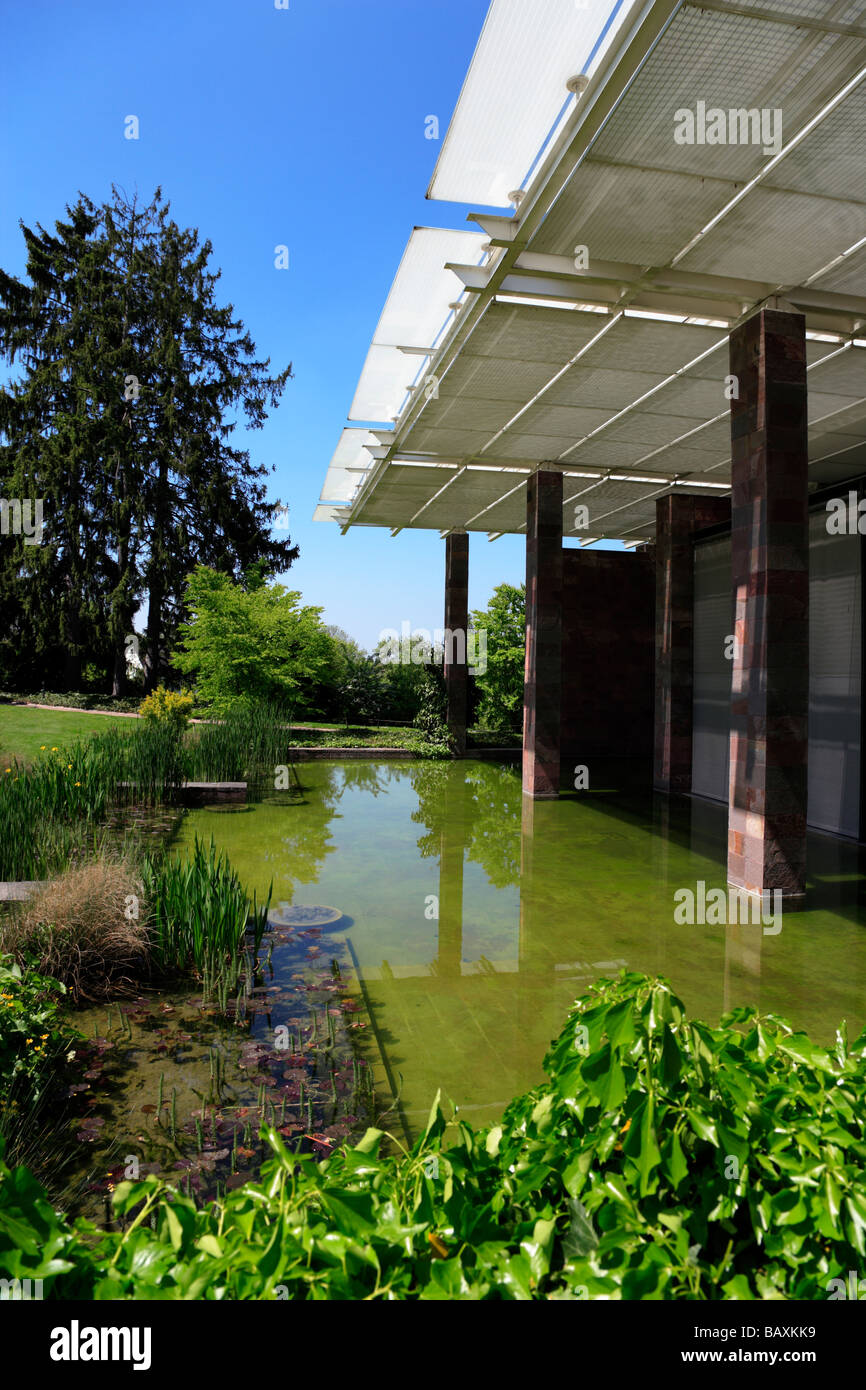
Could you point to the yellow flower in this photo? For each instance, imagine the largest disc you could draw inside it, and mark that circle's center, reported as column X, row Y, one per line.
column 30, row 1040
column 43, row 1035
column 68, row 766
column 55, row 749
column 8, row 769
column 42, row 747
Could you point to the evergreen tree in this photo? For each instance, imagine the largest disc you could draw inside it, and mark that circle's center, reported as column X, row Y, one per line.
column 133, row 382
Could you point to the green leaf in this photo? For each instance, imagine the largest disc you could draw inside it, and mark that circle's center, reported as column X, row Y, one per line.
column 436, row 1121
column 493, row 1140
column 580, row 1238
column 802, row 1049
column 370, row 1142
column 641, row 1145
column 175, row 1229
column 210, row 1246
column 703, row 1127
column 738, row 1288
column 604, row 1077
column 675, row 1164
column 671, row 1062
column 619, row 1024
column 352, row 1211
column 855, row 1208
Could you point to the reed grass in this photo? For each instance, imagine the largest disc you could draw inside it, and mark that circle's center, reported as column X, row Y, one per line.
column 246, row 744
column 54, row 813
column 198, row 917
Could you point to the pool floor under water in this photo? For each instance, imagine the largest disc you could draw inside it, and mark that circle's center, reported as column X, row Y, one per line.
column 474, row 916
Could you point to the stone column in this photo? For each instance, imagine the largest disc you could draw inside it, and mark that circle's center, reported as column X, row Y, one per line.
column 456, row 634
column 678, row 517
column 543, row 681
column 770, row 571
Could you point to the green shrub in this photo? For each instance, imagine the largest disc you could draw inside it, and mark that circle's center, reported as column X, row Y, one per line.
column 169, row 707
column 611, row 1180
column 33, row 1043
column 434, row 739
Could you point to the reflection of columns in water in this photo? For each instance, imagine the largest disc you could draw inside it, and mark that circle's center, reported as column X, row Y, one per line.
column 452, row 848
column 742, row 962
column 661, row 813
column 536, row 907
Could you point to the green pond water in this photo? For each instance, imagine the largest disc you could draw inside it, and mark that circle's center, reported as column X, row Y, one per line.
column 473, row 917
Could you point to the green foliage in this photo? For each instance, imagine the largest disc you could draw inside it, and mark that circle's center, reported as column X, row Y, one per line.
column 169, row 707
column 434, row 739
column 198, row 914
column 131, row 382
column 244, row 646
column 611, row 1180
column 404, row 682
column 501, row 685
column 57, row 809
column 245, row 744
column 363, row 691
column 29, row 1029
column 33, row 1043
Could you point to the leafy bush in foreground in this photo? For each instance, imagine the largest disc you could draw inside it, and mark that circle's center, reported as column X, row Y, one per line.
column 34, row 1038
column 614, row 1179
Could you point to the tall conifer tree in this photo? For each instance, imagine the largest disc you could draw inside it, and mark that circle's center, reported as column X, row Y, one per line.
column 132, row 382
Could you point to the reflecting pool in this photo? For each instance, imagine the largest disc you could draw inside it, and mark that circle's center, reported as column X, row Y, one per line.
column 473, row 917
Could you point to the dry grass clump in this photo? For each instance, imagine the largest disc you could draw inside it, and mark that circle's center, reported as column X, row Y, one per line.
column 86, row 929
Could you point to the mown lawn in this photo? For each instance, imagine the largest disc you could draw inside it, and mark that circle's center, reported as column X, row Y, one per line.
column 23, row 731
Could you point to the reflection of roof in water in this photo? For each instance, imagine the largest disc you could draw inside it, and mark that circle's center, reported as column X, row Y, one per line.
column 288, row 915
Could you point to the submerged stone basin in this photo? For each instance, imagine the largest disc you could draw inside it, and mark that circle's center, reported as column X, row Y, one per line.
column 288, row 915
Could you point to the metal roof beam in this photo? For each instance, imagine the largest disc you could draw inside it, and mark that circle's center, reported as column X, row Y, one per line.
column 541, row 276
column 501, row 230
column 820, row 24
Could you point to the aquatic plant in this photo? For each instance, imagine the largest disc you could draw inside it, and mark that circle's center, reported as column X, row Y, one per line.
column 247, row 743
column 198, row 915
column 613, row 1179
column 57, row 811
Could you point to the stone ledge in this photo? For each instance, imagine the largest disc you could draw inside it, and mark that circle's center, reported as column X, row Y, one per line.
column 21, row 891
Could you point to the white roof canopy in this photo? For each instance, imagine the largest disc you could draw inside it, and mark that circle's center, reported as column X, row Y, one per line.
column 415, row 313
column 515, row 93
column 593, row 337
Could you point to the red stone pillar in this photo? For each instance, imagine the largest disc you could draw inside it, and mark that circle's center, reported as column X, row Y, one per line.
column 543, row 681
column 770, row 570
column 457, row 634
column 678, row 517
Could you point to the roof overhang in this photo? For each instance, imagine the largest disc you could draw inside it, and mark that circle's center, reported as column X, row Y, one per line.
column 593, row 322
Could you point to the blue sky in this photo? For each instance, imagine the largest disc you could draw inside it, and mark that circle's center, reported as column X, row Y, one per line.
column 302, row 127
